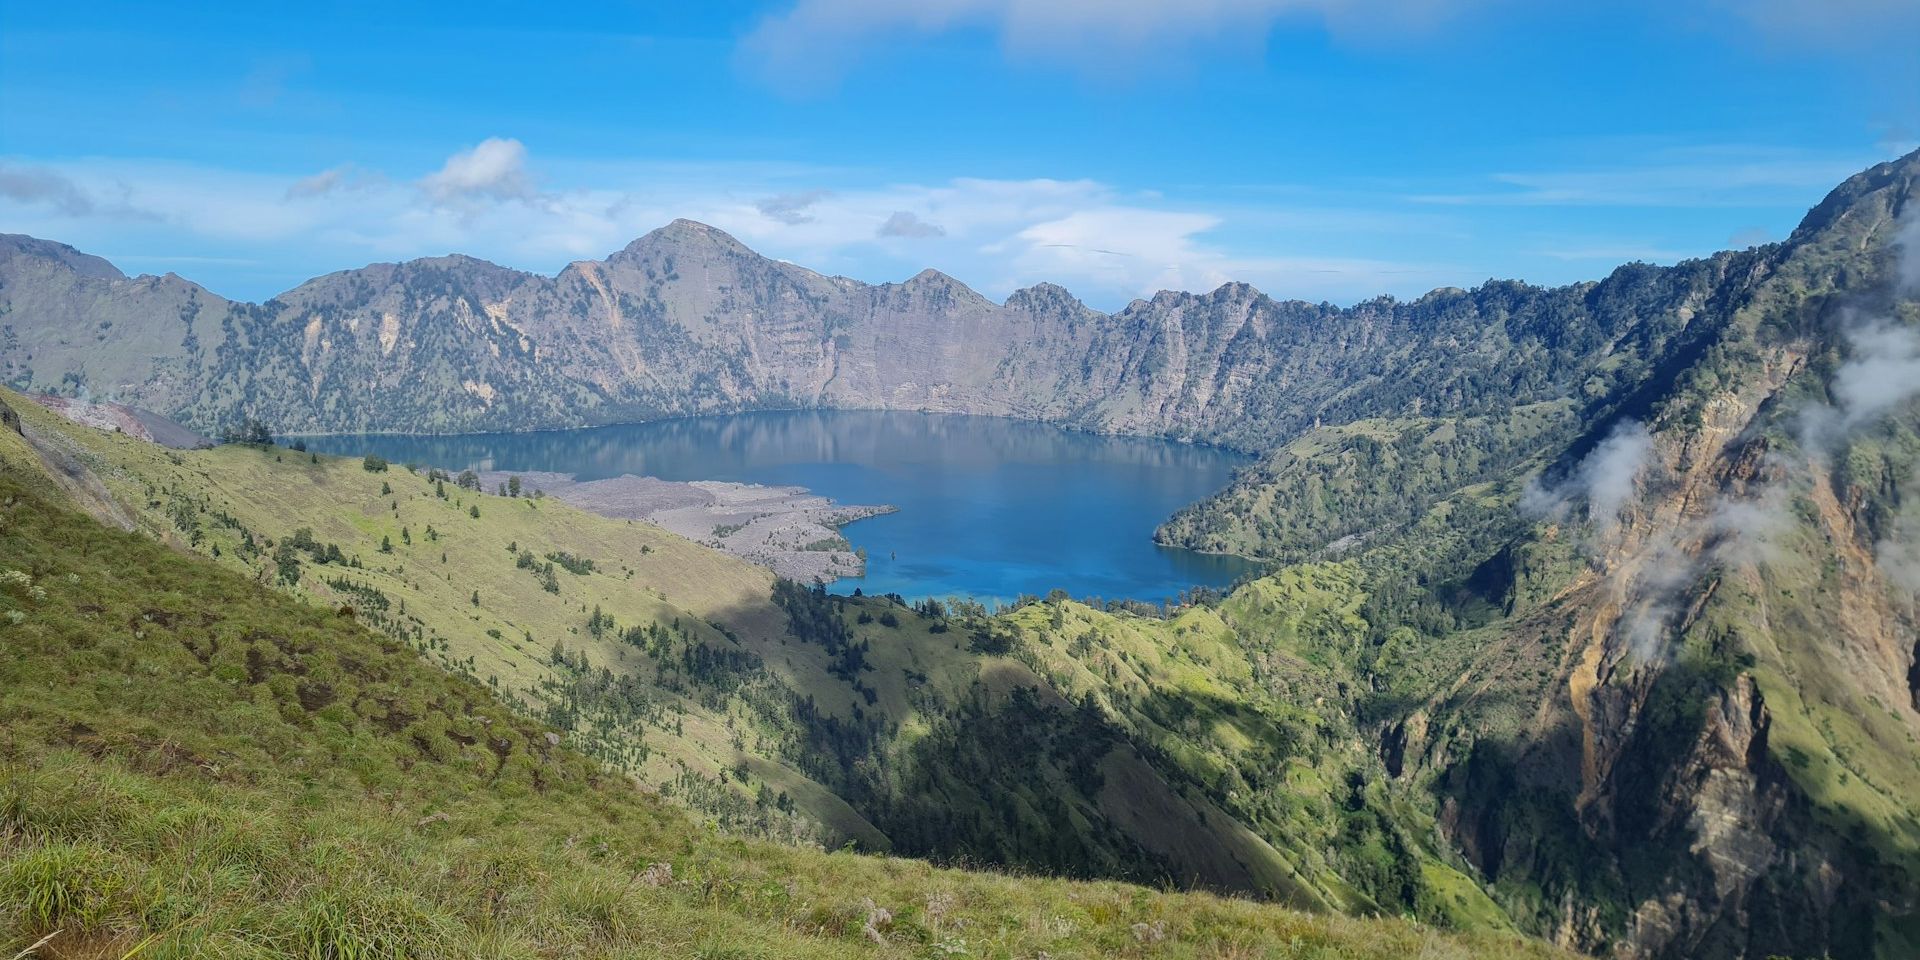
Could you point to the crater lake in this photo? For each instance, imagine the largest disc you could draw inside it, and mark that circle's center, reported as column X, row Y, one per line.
column 989, row 508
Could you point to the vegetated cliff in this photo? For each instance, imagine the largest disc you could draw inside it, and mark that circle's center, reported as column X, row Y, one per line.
column 1671, row 710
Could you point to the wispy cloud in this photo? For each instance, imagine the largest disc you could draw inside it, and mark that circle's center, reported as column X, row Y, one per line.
column 501, row 200
column 791, row 208
column 50, row 189
column 42, row 186
column 1725, row 177
column 343, row 177
column 1605, row 479
column 1613, row 253
column 908, row 225
column 265, row 83
column 1845, row 25
column 811, row 41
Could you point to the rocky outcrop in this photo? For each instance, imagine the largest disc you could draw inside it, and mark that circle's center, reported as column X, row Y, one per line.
column 120, row 418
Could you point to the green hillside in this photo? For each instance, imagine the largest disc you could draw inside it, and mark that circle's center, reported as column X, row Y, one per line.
column 1650, row 659
column 198, row 765
column 1058, row 738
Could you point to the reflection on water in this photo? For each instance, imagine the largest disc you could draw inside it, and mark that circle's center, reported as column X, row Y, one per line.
column 989, row 508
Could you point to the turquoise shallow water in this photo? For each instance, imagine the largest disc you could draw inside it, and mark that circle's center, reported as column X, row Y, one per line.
column 989, row 508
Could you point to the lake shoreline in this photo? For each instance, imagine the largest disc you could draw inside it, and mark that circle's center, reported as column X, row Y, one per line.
column 988, row 506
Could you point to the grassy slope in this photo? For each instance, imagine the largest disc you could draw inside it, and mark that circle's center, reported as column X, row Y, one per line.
column 182, row 497
column 198, row 766
column 702, row 743
column 1250, row 702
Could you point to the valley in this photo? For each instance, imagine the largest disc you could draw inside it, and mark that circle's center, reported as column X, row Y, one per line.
column 237, row 773
column 1585, row 614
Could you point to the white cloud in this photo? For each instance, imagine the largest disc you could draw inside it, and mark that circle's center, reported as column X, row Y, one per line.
column 1847, row 25
column 1907, row 263
column 791, row 208
column 996, row 234
column 1121, row 247
column 809, row 44
column 907, row 224
column 1724, row 177
column 1606, row 478
column 41, row 186
column 49, row 189
column 1614, row 253
column 1883, row 372
column 812, row 39
column 343, row 177
column 495, row 169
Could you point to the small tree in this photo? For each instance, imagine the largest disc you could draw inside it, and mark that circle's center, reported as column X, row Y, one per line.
column 249, row 431
column 288, row 563
column 373, row 463
column 513, row 486
column 474, row 511
column 386, row 544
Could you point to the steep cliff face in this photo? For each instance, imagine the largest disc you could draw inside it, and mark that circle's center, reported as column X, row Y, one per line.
column 1702, row 740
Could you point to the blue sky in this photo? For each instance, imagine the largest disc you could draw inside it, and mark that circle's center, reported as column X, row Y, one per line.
column 1320, row 149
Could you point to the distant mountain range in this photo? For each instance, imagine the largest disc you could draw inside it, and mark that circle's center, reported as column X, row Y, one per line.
column 687, row 320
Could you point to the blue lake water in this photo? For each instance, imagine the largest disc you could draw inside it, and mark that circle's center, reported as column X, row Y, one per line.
column 990, row 508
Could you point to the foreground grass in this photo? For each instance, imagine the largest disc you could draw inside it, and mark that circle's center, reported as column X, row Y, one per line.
column 194, row 765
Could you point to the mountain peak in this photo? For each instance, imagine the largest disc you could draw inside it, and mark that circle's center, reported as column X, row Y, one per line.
column 684, row 234
column 929, row 275
column 84, row 264
column 931, row 282
column 1883, row 189
column 1041, row 296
